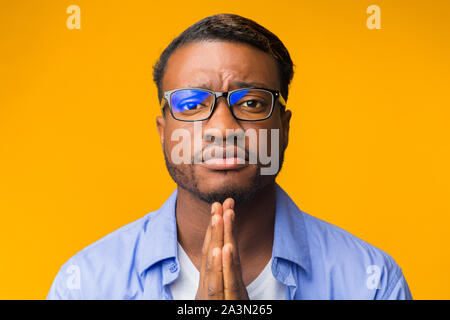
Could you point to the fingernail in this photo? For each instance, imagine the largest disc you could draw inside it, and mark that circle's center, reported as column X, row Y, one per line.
column 231, row 213
column 213, row 208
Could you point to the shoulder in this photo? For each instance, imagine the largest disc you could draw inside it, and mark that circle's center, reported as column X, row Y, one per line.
column 333, row 241
column 114, row 247
column 101, row 270
column 360, row 270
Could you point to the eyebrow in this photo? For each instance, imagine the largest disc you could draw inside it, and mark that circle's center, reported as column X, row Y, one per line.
column 235, row 84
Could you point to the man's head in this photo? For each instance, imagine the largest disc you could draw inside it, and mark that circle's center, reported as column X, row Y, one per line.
column 222, row 53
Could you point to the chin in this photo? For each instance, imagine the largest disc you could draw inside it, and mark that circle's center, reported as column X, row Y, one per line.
column 215, row 185
column 209, row 180
column 241, row 185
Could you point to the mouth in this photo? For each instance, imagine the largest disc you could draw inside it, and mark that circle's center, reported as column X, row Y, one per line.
column 225, row 160
column 224, row 164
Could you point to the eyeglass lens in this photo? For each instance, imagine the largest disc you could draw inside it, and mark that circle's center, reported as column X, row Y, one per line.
column 246, row 104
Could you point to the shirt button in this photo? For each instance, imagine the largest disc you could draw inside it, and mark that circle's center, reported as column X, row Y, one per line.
column 173, row 267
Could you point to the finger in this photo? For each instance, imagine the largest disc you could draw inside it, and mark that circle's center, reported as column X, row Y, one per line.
column 215, row 235
column 228, row 219
column 206, row 246
column 230, row 283
column 213, row 277
column 205, row 249
column 229, row 238
column 228, row 204
column 217, row 228
column 206, row 242
column 215, row 288
column 216, row 207
column 207, row 239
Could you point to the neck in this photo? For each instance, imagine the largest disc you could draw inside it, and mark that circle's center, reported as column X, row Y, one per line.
column 254, row 219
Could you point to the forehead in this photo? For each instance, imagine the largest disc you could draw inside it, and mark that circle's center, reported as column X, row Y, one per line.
column 220, row 66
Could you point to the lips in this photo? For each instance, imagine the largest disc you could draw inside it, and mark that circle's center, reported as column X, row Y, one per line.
column 224, row 161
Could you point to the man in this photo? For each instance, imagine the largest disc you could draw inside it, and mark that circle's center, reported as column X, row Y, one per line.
column 228, row 231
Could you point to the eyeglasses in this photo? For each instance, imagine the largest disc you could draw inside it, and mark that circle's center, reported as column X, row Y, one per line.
column 196, row 104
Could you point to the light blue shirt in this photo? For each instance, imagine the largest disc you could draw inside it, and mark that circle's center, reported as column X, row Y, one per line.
column 314, row 259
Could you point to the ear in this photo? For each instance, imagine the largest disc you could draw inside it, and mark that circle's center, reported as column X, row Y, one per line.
column 285, row 120
column 161, row 125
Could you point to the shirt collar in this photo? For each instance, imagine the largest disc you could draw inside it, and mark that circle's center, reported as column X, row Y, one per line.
column 159, row 241
column 290, row 240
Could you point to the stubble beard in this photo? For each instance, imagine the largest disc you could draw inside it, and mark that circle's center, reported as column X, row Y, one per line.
column 187, row 179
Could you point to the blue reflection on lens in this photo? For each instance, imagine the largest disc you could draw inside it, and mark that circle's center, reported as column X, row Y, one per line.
column 236, row 96
column 187, row 99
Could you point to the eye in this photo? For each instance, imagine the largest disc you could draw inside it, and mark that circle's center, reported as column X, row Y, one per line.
column 251, row 103
column 189, row 106
column 186, row 100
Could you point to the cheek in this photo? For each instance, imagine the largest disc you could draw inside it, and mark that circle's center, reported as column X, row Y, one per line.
column 269, row 136
column 178, row 137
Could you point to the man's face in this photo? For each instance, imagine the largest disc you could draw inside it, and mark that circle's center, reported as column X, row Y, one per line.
column 221, row 66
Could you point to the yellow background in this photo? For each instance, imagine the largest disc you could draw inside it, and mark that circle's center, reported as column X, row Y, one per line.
column 80, row 156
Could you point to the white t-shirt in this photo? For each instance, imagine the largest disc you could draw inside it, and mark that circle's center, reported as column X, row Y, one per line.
column 264, row 287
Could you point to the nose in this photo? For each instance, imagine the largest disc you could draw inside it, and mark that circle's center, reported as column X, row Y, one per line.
column 222, row 119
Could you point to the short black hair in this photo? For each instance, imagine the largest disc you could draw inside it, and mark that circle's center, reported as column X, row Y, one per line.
column 233, row 28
